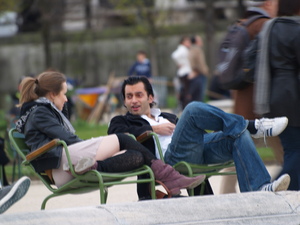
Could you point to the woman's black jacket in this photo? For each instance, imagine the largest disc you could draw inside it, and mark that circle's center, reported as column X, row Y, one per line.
column 42, row 125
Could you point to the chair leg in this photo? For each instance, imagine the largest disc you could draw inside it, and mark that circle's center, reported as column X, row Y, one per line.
column 43, row 206
column 152, row 184
column 19, row 167
column 14, row 170
column 103, row 195
column 1, row 177
column 16, row 166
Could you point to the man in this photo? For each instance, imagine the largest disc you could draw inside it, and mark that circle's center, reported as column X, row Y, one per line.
column 142, row 66
column 198, row 77
column 243, row 98
column 10, row 194
column 181, row 58
column 189, row 141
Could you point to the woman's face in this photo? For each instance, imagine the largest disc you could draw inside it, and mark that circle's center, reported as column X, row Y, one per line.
column 60, row 99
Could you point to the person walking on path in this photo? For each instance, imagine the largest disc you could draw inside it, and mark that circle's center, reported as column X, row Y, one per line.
column 181, row 58
column 199, row 74
column 244, row 98
column 277, row 87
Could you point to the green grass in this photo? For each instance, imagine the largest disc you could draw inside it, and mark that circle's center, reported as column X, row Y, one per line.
column 172, row 102
column 85, row 130
column 267, row 155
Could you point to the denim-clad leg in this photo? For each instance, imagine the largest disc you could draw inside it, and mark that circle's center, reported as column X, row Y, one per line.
column 191, row 143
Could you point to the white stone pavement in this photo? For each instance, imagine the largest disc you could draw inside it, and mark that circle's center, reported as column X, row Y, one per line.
column 117, row 194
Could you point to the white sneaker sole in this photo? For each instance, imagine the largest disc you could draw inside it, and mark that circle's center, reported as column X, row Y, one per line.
column 284, row 123
column 18, row 190
column 284, row 182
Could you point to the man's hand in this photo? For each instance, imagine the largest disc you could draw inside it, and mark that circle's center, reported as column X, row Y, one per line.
column 164, row 128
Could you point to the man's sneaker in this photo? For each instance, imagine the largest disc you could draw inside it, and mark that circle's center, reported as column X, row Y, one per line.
column 270, row 127
column 12, row 193
column 281, row 184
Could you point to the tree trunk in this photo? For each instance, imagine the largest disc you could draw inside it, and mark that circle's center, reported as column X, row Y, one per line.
column 150, row 14
column 153, row 57
column 88, row 14
column 52, row 13
column 241, row 9
column 210, row 34
column 46, row 37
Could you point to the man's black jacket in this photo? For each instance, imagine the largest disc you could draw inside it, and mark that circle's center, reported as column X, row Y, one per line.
column 136, row 125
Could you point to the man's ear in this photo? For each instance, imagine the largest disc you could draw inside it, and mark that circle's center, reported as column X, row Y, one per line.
column 151, row 99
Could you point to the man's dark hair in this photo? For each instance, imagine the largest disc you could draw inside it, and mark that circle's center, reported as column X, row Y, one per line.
column 183, row 38
column 132, row 80
column 288, row 8
column 193, row 40
column 142, row 52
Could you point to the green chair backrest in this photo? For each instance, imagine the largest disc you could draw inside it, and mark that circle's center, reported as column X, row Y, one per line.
column 17, row 140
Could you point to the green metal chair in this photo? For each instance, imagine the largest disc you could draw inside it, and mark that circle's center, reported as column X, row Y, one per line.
column 189, row 169
column 89, row 181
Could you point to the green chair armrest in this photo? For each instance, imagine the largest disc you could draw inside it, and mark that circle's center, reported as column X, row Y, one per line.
column 144, row 136
column 149, row 134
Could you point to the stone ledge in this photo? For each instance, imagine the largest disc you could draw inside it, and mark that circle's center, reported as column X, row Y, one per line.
column 257, row 208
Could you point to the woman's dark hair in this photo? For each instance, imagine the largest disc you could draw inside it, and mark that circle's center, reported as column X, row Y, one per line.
column 132, row 80
column 33, row 88
column 288, row 7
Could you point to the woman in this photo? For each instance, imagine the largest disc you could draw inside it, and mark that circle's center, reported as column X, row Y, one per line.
column 278, row 85
column 42, row 101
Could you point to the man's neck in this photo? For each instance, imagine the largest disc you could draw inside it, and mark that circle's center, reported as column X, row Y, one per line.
column 153, row 113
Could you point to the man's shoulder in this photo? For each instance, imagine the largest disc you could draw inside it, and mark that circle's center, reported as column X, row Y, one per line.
column 169, row 116
column 255, row 27
column 118, row 117
column 127, row 116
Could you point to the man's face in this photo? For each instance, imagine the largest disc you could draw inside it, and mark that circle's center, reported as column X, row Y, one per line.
column 187, row 42
column 140, row 57
column 137, row 100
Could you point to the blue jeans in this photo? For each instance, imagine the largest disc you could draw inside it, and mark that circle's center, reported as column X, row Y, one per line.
column 291, row 145
column 191, row 143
